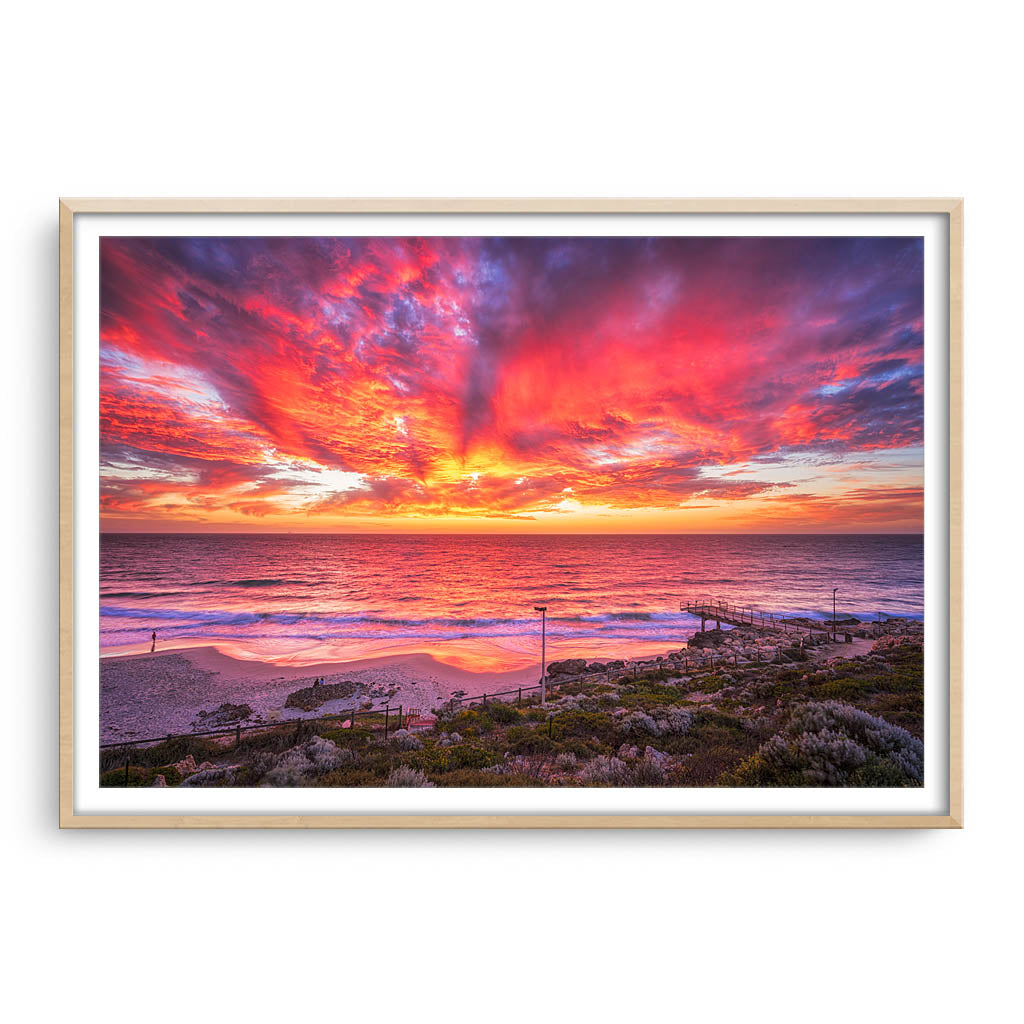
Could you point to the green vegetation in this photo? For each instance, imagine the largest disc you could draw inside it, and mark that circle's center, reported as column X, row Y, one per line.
column 857, row 722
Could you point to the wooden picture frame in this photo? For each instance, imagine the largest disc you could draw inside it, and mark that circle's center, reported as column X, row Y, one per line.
column 949, row 209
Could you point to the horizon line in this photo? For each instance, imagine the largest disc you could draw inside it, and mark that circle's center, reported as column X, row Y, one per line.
column 422, row 533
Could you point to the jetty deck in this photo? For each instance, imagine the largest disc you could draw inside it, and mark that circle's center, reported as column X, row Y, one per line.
column 708, row 609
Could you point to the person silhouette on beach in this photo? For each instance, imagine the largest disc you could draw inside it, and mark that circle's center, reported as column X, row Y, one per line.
column 153, row 648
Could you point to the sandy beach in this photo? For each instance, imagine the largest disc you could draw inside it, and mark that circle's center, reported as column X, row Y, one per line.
column 147, row 693
column 154, row 694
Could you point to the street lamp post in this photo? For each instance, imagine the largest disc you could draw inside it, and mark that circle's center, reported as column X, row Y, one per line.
column 834, row 589
column 542, row 608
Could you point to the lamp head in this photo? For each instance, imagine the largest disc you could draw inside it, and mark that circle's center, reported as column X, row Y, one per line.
column 540, row 607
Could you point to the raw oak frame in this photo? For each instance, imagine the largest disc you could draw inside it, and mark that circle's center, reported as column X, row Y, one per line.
column 952, row 208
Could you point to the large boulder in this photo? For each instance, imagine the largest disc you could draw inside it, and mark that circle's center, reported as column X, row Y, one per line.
column 709, row 638
column 569, row 667
column 226, row 714
column 311, row 697
column 186, row 766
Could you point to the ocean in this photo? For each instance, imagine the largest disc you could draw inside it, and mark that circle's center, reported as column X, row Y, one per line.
column 308, row 598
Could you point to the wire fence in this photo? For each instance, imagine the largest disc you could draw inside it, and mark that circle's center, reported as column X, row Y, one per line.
column 390, row 715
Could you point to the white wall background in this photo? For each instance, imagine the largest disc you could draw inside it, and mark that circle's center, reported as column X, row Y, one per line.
column 521, row 99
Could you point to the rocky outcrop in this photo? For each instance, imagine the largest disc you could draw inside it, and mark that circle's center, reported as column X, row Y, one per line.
column 311, row 697
column 709, row 638
column 187, row 766
column 226, row 714
column 569, row 667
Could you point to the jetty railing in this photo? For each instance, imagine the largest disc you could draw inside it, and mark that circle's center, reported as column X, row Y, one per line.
column 744, row 615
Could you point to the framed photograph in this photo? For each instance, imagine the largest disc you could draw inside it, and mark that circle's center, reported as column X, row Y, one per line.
column 511, row 513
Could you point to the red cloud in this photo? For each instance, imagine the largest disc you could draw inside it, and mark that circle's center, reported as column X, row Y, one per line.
column 490, row 378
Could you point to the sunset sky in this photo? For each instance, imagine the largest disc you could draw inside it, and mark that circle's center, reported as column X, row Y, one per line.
column 512, row 384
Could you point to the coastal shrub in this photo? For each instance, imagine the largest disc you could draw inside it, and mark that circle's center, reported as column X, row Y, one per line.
column 350, row 778
column 315, row 756
column 437, row 759
column 566, row 762
column 582, row 749
column 604, row 771
column 447, row 711
column 477, row 778
column 906, row 709
column 473, row 722
column 834, row 744
column 651, row 702
column 648, row 770
column 467, row 756
column 638, row 723
column 581, row 701
column 503, row 713
column 351, row 737
column 171, row 774
column 531, row 741
column 432, row 759
column 673, row 721
column 224, row 775
column 404, row 777
column 581, row 723
column 137, row 776
column 262, row 762
column 404, row 740
column 835, row 689
column 645, row 771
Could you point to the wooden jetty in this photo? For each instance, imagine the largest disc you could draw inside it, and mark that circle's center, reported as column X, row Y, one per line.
column 737, row 615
